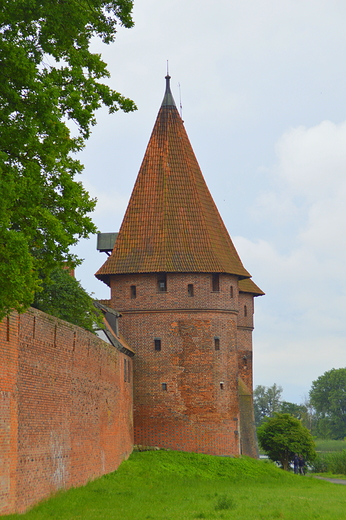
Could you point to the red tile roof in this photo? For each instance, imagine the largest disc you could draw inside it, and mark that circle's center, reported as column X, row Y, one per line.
column 171, row 223
column 248, row 286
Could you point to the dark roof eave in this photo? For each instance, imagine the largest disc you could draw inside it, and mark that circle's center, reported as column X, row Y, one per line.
column 106, row 277
column 103, row 278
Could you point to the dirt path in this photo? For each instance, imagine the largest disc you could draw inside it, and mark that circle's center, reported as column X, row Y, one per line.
column 333, row 480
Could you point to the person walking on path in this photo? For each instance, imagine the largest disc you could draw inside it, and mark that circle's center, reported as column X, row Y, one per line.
column 301, row 464
column 296, row 463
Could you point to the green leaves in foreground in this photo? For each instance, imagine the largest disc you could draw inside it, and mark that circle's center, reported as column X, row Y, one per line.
column 48, row 76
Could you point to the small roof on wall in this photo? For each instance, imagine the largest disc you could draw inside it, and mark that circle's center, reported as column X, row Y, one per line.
column 109, row 332
column 248, row 286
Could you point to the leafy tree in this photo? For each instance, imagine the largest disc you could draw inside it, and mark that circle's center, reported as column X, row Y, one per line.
column 48, row 76
column 309, row 418
column 328, row 397
column 282, row 436
column 266, row 401
column 304, row 412
column 297, row 410
column 64, row 297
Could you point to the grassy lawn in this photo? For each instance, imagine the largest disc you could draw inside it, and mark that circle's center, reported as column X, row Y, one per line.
column 162, row 485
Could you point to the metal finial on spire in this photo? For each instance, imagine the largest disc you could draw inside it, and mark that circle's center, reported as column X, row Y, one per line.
column 168, row 98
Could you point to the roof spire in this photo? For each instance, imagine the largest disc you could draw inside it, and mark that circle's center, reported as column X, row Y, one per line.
column 181, row 229
column 168, row 98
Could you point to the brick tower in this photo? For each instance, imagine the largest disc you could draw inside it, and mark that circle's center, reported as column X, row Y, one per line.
column 186, row 303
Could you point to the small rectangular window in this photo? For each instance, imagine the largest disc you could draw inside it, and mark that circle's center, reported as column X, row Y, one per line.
column 231, row 291
column 133, row 291
column 157, row 343
column 164, row 386
column 162, row 282
column 217, row 343
column 125, row 370
column 216, row 282
column 190, row 289
column 245, row 310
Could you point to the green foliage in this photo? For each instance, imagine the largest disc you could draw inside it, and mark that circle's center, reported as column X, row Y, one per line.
column 144, row 489
column 16, row 266
column 48, row 75
column 297, row 410
column 303, row 412
column 64, row 297
column 330, row 445
column 334, row 462
column 282, row 436
column 328, row 397
column 266, row 401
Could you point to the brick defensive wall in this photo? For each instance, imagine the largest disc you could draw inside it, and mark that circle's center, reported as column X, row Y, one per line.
column 65, row 408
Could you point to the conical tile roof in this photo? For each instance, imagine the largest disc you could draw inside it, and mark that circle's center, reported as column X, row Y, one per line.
column 171, row 223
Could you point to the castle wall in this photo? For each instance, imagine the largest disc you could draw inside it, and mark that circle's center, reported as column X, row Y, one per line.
column 248, row 440
column 8, row 414
column 244, row 334
column 149, row 298
column 197, row 409
column 66, row 409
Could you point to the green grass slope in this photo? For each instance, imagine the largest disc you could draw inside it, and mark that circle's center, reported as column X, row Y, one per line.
column 168, row 485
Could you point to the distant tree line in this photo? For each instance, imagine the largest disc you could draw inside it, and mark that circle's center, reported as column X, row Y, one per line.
column 323, row 413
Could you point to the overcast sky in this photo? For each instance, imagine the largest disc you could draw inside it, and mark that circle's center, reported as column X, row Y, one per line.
column 263, row 89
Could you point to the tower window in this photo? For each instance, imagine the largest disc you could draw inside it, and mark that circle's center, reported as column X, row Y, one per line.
column 162, row 282
column 245, row 310
column 125, row 370
column 222, row 385
column 133, row 291
column 164, row 386
column 190, row 289
column 157, row 343
column 216, row 282
column 244, row 362
column 231, row 291
column 217, row 343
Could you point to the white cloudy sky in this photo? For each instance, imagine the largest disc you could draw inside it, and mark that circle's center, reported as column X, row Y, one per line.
column 263, row 88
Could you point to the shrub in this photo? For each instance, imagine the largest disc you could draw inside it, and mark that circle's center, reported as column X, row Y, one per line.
column 330, row 463
column 282, row 436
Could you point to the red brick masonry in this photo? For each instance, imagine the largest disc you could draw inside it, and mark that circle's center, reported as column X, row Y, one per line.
column 65, row 409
